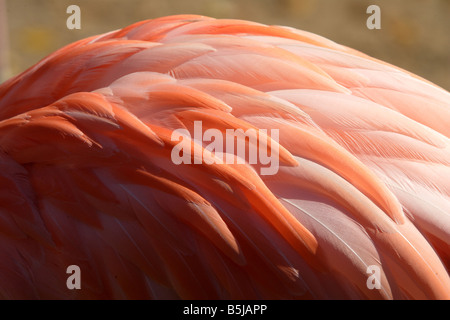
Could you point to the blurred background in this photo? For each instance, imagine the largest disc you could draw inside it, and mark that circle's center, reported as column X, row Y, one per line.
column 415, row 34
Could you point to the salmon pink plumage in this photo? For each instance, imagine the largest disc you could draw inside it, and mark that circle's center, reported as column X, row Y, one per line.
column 87, row 177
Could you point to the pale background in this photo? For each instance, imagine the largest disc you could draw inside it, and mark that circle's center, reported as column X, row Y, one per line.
column 415, row 34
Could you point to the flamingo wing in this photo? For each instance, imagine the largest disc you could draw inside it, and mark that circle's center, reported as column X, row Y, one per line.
column 87, row 177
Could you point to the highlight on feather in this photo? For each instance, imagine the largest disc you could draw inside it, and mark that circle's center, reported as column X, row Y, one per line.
column 187, row 157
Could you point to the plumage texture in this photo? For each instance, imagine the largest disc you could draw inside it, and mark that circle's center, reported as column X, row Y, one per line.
column 86, row 176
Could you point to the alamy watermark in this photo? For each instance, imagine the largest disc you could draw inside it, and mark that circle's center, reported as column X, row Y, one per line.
column 74, row 280
column 237, row 146
column 74, row 20
column 373, row 281
column 374, row 21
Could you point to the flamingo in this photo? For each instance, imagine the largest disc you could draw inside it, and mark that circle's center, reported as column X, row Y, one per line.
column 87, row 177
